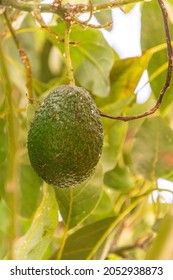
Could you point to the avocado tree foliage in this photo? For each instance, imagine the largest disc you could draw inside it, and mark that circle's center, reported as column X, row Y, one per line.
column 121, row 211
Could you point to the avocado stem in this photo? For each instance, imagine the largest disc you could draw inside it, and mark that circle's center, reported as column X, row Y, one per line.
column 69, row 65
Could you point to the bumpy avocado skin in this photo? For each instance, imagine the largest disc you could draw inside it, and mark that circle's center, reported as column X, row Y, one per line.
column 66, row 136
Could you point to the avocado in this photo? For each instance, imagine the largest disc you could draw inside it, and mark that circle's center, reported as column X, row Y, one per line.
column 65, row 137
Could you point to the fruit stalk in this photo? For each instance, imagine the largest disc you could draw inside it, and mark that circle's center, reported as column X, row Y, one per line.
column 67, row 54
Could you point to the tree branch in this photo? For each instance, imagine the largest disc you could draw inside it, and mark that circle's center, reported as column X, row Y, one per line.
column 108, row 6
column 29, row 6
column 168, row 76
column 63, row 10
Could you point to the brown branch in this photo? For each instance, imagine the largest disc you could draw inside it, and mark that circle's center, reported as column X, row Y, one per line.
column 105, row 6
column 99, row 26
column 24, row 58
column 168, row 76
column 141, row 243
column 43, row 25
column 90, row 12
column 86, row 22
column 57, row 8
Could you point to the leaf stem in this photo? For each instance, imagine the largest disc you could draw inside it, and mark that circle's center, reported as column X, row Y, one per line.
column 67, row 54
column 11, row 183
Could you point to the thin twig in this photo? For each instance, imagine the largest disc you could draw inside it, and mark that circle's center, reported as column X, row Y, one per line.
column 90, row 13
column 43, row 25
column 24, row 58
column 168, row 76
column 99, row 26
column 37, row 15
column 86, row 22
column 141, row 243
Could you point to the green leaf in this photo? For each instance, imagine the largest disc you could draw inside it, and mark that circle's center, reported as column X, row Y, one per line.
column 79, row 245
column 96, row 60
column 152, row 151
column 126, row 74
column 153, row 35
column 124, row 78
column 103, row 16
column 92, row 58
column 30, row 185
column 104, row 209
column 30, row 112
column 4, row 213
column 29, row 182
column 85, row 242
column 119, row 178
column 34, row 243
column 127, row 8
column 113, row 140
column 3, row 156
column 4, row 227
column 162, row 246
column 75, row 204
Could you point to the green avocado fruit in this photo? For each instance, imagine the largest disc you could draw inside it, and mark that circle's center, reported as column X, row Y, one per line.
column 65, row 137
